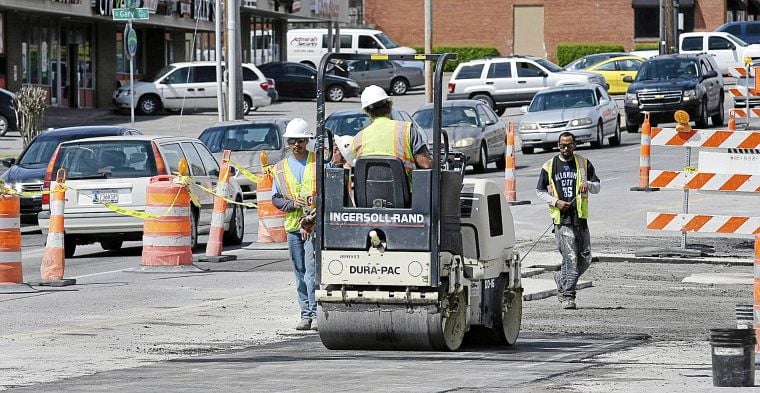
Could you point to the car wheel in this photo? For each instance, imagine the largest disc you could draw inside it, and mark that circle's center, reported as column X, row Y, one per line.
column 234, row 235
column 527, row 149
column 111, row 244
column 246, row 105
column 720, row 118
column 632, row 128
column 702, row 120
column 617, row 138
column 4, row 125
column 501, row 163
column 69, row 246
column 599, row 142
column 335, row 93
column 482, row 163
column 148, row 105
column 193, row 229
column 399, row 86
column 484, row 99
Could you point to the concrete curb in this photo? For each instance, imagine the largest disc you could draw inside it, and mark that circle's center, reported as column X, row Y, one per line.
column 675, row 260
column 549, row 292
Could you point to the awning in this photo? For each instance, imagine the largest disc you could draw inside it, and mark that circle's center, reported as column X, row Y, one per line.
column 656, row 3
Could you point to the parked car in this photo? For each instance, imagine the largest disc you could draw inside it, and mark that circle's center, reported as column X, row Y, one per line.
column 728, row 50
column 118, row 170
column 590, row 60
column 295, row 80
column 503, row 82
column 615, row 69
column 7, row 114
column 748, row 31
column 473, row 128
column 27, row 172
column 191, row 86
column 392, row 76
column 247, row 139
column 351, row 121
column 587, row 112
column 667, row 83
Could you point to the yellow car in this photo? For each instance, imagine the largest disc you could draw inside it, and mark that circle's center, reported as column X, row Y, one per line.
column 615, row 69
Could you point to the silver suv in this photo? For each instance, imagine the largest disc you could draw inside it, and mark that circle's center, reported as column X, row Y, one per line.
column 503, row 82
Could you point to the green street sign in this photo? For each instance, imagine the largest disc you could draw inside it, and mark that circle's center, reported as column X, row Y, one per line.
column 130, row 13
column 131, row 43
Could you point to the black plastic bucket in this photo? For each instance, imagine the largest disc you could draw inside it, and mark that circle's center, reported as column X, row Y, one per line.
column 733, row 357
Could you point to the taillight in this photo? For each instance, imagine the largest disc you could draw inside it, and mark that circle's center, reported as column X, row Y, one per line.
column 452, row 86
column 48, row 178
column 160, row 166
column 264, row 86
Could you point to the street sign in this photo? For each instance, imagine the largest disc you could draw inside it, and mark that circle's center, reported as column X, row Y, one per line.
column 130, row 13
column 131, row 43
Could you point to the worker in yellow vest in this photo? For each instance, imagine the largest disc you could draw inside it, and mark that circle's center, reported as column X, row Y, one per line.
column 564, row 183
column 387, row 137
column 292, row 192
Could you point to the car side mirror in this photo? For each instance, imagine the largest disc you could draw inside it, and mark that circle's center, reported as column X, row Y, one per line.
column 710, row 74
column 490, row 122
column 628, row 79
column 604, row 101
column 543, row 74
column 8, row 162
column 524, row 109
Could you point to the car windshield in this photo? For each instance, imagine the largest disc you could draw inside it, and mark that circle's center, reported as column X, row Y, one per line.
column 158, row 74
column 672, row 68
column 387, row 42
column 549, row 65
column 42, row 148
column 349, row 124
column 563, row 99
column 451, row 116
column 106, row 159
column 588, row 61
column 245, row 137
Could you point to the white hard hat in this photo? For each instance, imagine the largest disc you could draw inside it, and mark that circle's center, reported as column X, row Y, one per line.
column 373, row 94
column 344, row 143
column 298, row 128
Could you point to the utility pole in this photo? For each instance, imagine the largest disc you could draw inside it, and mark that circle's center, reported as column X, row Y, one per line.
column 219, row 74
column 428, row 49
column 669, row 39
column 233, row 61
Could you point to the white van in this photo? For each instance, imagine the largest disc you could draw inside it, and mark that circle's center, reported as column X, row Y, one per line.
column 308, row 45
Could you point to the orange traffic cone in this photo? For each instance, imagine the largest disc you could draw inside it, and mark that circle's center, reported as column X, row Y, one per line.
column 510, row 183
column 216, row 234
column 645, row 156
column 54, row 258
column 11, row 275
column 732, row 120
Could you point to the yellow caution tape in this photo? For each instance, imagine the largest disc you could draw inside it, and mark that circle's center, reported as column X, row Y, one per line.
column 135, row 213
column 7, row 190
column 185, row 181
column 250, row 176
column 214, row 193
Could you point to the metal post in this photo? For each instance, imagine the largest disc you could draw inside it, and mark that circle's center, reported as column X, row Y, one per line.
column 746, row 94
column 662, row 28
column 219, row 75
column 686, row 198
column 233, row 62
column 131, row 82
column 428, row 49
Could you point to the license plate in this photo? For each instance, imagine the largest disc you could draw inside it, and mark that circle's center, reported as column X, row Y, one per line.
column 105, row 196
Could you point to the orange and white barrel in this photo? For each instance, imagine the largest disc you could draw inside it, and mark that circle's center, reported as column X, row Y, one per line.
column 510, row 190
column 271, row 219
column 53, row 260
column 10, row 240
column 167, row 239
column 216, row 233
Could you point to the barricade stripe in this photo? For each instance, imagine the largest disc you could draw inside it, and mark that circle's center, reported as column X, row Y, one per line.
column 166, row 199
column 10, row 256
column 752, row 141
column 734, row 182
column 661, row 221
column 699, row 180
column 663, row 179
column 164, row 226
column 166, row 241
column 8, row 223
column 717, row 139
column 696, row 223
column 733, row 224
column 10, row 240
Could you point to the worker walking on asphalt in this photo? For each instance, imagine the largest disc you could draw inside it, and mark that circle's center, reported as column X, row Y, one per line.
column 294, row 185
column 564, row 183
column 387, row 137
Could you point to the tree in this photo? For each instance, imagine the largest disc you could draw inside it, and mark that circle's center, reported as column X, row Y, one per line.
column 29, row 104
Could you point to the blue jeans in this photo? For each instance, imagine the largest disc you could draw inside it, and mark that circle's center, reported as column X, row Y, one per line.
column 574, row 244
column 304, row 266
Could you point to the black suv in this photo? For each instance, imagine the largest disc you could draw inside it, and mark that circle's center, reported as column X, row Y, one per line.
column 667, row 83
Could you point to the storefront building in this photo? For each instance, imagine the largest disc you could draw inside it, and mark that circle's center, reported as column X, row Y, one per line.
column 75, row 50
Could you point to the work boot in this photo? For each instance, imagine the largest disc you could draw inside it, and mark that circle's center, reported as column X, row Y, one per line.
column 305, row 324
column 314, row 324
column 568, row 304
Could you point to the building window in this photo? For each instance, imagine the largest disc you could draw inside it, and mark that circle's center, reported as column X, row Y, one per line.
column 647, row 20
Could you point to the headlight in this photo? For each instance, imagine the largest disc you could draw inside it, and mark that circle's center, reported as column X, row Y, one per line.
column 466, row 142
column 17, row 187
column 631, row 97
column 121, row 93
column 528, row 126
column 689, row 95
column 353, row 84
column 580, row 122
column 596, row 79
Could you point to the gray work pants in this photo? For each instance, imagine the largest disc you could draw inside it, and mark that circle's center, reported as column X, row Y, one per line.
column 574, row 244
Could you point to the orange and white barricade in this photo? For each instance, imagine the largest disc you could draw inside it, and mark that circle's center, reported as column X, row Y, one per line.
column 510, row 180
column 54, row 258
column 11, row 275
column 216, row 234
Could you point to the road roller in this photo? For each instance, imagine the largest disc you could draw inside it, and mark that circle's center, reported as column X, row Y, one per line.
column 412, row 265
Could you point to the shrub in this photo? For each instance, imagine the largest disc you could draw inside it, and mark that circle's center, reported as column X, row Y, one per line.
column 464, row 53
column 566, row 53
column 29, row 104
column 646, row 46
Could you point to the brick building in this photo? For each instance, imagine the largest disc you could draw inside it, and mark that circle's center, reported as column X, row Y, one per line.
column 537, row 26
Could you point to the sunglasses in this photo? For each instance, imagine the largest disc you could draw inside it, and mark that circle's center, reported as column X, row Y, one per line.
column 293, row 141
column 567, row 145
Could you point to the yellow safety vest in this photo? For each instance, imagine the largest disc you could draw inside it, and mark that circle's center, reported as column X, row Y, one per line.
column 386, row 137
column 581, row 166
column 290, row 188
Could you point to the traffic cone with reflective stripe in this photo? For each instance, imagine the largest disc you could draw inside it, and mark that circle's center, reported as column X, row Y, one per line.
column 54, row 258
column 732, row 120
column 510, row 182
column 11, row 275
column 216, row 234
column 645, row 156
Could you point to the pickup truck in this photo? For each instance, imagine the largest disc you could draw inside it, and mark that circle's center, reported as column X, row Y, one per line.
column 727, row 49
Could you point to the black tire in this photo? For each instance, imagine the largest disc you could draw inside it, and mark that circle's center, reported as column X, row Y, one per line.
column 482, row 164
column 234, row 235
column 720, row 118
column 111, row 244
column 193, row 229
column 486, row 99
column 336, row 93
column 69, row 246
column 599, row 142
column 247, row 104
column 399, row 86
column 701, row 121
column 148, row 105
column 501, row 163
column 500, row 111
column 527, row 149
column 617, row 138
column 5, row 125
column 632, row 128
